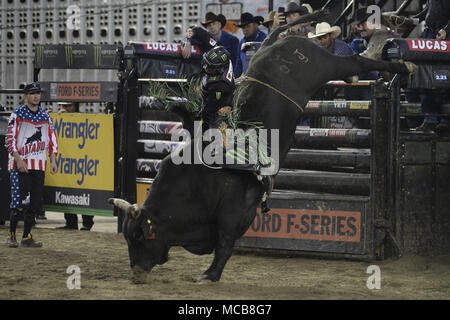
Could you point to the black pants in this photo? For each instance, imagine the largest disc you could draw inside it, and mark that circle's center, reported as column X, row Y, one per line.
column 22, row 184
column 72, row 220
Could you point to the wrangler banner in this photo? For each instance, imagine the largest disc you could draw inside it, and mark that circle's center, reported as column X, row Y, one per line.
column 85, row 177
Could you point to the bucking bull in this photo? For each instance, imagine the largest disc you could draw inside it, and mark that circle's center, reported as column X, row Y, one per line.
column 205, row 210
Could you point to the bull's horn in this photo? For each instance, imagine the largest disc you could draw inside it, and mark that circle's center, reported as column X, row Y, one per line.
column 119, row 203
column 135, row 211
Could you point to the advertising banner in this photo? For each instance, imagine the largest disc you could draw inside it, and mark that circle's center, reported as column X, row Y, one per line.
column 307, row 224
column 76, row 56
column 85, row 177
column 303, row 223
column 79, row 91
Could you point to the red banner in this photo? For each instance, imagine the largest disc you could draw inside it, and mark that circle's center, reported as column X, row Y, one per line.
column 428, row 45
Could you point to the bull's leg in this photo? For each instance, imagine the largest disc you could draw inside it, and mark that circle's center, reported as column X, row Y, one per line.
column 393, row 67
column 222, row 253
column 353, row 65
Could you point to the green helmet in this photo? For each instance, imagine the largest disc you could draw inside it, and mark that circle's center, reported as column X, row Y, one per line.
column 216, row 60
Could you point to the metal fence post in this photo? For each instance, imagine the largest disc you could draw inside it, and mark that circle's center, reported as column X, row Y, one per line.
column 379, row 165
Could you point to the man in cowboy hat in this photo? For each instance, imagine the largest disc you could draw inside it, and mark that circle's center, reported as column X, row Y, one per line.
column 249, row 25
column 294, row 11
column 327, row 37
column 373, row 41
column 375, row 36
column 214, row 24
column 268, row 23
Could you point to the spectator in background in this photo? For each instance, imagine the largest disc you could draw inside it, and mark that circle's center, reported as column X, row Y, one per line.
column 358, row 46
column 293, row 12
column 374, row 36
column 268, row 23
column 437, row 26
column 437, row 19
column 214, row 24
column 250, row 28
column 327, row 37
column 72, row 219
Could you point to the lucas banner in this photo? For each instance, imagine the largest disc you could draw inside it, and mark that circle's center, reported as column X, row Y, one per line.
column 76, row 56
column 85, row 161
column 163, row 60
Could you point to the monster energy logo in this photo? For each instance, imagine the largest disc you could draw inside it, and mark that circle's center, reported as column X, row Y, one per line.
column 39, row 55
column 69, row 60
column 213, row 55
column 224, row 57
column 97, row 55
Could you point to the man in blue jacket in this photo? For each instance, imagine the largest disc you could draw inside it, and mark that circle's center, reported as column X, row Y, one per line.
column 214, row 24
column 249, row 25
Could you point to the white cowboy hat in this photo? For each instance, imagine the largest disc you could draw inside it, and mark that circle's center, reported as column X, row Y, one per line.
column 308, row 6
column 323, row 29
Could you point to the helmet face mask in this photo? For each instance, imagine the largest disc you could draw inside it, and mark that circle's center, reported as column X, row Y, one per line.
column 213, row 70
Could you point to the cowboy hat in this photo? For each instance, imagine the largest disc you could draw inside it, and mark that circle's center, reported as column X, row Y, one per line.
column 361, row 15
column 247, row 18
column 211, row 17
column 308, row 6
column 269, row 19
column 292, row 7
column 323, row 29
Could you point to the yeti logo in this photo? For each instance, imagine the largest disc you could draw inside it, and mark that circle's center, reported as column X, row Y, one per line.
column 35, row 137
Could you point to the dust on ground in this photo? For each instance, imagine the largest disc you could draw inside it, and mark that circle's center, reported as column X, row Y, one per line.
column 40, row 273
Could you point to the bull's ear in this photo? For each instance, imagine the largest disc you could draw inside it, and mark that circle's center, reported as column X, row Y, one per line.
column 148, row 229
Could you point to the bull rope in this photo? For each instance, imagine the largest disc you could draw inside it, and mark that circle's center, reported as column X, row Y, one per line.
column 247, row 78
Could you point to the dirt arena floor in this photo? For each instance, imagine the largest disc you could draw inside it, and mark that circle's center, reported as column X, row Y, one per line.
column 105, row 274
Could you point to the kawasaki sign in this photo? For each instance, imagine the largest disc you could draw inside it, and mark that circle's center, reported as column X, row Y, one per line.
column 76, row 56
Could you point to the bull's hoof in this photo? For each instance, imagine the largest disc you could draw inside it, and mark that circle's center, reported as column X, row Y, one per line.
column 138, row 280
column 206, row 276
column 138, row 276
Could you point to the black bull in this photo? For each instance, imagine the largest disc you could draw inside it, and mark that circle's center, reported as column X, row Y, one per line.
column 206, row 210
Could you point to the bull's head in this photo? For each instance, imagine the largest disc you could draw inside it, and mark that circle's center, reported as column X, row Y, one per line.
column 146, row 247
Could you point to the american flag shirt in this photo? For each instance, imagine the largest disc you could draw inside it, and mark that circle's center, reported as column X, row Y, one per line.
column 30, row 134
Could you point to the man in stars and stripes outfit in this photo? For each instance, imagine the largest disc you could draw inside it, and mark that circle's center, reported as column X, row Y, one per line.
column 30, row 133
